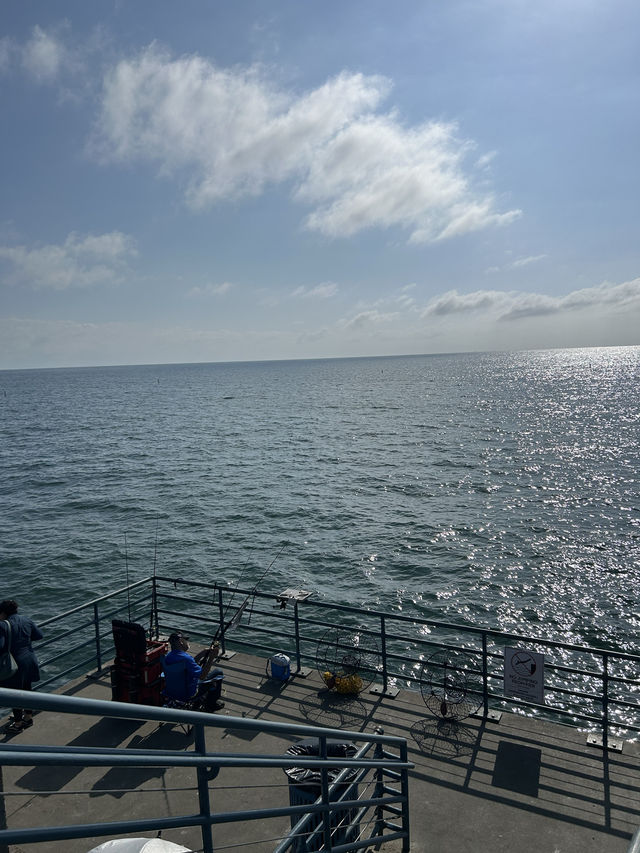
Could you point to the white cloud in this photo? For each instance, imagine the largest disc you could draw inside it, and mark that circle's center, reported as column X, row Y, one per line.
column 52, row 57
column 232, row 129
column 212, row 289
column 43, row 55
column 78, row 262
column 377, row 173
column 513, row 305
column 405, row 297
column 321, row 291
column 230, row 133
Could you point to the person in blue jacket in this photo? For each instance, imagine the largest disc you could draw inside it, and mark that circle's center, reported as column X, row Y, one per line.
column 182, row 676
column 23, row 632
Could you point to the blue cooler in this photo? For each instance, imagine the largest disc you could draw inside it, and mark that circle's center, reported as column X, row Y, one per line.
column 280, row 666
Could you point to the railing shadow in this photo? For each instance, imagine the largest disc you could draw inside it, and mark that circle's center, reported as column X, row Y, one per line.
column 107, row 732
column 551, row 777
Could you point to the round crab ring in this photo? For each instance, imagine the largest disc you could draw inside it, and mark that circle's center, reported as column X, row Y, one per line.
column 447, row 685
column 348, row 659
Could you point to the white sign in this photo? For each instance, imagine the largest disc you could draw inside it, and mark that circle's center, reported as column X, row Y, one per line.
column 524, row 675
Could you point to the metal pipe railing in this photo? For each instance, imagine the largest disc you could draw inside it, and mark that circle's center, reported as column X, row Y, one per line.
column 205, row 764
column 605, row 684
column 559, row 675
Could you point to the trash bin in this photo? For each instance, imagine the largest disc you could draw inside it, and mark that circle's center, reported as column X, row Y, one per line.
column 305, row 786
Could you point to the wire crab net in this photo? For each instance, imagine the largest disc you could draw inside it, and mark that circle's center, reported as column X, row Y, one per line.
column 348, row 660
column 450, row 688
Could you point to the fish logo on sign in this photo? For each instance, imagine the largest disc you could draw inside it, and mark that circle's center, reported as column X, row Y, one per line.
column 523, row 664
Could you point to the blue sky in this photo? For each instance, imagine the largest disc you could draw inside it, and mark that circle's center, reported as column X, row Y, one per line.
column 212, row 181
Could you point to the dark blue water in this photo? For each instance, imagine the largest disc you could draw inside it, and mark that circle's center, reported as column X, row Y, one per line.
column 496, row 489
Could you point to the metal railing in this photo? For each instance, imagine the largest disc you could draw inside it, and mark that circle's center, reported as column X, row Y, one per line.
column 590, row 687
column 388, row 801
column 594, row 688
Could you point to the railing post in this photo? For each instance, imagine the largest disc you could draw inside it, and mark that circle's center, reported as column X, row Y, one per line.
column 4, row 848
column 296, row 619
column 324, row 782
column 378, row 754
column 605, row 701
column 221, row 619
column 404, row 787
column 485, row 675
column 154, row 629
column 383, row 642
column 203, row 791
column 96, row 625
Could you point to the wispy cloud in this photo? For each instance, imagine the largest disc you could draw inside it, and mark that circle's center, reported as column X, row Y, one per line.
column 44, row 55
column 80, row 261
column 525, row 262
column 212, row 289
column 453, row 302
column 230, row 133
column 513, row 305
column 320, row 291
column 367, row 319
column 519, row 263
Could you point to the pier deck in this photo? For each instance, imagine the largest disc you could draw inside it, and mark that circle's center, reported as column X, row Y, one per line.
column 520, row 784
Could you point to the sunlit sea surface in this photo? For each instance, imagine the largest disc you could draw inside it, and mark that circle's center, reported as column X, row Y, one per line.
column 499, row 489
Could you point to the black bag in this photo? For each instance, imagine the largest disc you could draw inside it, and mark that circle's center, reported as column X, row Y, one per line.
column 7, row 663
column 210, row 690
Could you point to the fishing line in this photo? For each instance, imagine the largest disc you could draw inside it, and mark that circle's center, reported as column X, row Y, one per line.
column 262, row 577
column 153, row 620
column 240, row 576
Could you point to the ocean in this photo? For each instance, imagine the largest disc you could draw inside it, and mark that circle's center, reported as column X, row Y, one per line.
column 494, row 489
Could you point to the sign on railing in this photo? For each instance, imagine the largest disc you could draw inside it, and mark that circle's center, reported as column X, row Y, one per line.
column 524, row 675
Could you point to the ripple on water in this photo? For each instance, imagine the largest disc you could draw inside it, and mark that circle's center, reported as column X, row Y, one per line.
column 492, row 488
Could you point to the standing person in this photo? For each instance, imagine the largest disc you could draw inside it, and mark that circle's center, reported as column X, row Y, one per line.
column 23, row 632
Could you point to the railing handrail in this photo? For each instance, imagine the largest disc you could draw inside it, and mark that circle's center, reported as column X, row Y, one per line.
column 414, row 620
column 582, row 685
column 126, row 710
column 87, row 604
column 371, row 613
column 202, row 761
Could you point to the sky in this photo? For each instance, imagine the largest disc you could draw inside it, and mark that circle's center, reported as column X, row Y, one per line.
column 206, row 180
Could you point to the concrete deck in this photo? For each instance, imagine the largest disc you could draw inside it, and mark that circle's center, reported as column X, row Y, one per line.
column 518, row 785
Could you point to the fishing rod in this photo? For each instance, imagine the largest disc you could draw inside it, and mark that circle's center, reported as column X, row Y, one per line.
column 240, row 576
column 126, row 570
column 255, row 586
column 205, row 658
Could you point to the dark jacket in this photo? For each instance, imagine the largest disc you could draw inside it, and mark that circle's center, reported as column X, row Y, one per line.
column 23, row 632
column 3, row 635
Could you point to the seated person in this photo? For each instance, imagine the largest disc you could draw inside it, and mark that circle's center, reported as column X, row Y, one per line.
column 183, row 677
